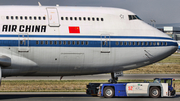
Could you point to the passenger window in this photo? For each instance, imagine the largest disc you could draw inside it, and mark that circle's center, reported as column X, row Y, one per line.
column 142, row 43
column 7, row 17
column 93, row 19
column 117, row 43
column 82, row 42
column 125, row 43
column 78, row 43
column 73, row 42
column 89, row 19
column 37, row 42
column 80, row 18
column 71, row 18
column 16, row 17
column 64, row 42
column 87, row 43
column 21, row 42
column 30, row 18
column 84, row 18
column 66, row 18
column 69, row 42
column 42, row 42
column 158, row 43
column 154, row 43
column 60, row 42
column 102, row 19
column 97, row 19
column 35, row 18
column 12, row 17
column 121, row 43
column 25, row 17
column 39, row 18
column 134, row 43
column 62, row 18
column 21, row 17
column 138, row 43
column 75, row 18
column 51, row 42
column 129, row 43
column 150, row 43
column 166, row 43
column 44, row 18
column 146, row 43
column 104, row 43
column 161, row 43
column 55, row 42
column 46, row 42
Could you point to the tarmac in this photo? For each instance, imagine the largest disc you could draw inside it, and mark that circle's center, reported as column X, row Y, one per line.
column 71, row 96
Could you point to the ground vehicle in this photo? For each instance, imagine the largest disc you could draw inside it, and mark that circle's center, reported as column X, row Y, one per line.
column 160, row 87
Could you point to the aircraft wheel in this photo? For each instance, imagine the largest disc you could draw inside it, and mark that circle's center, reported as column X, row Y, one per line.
column 154, row 92
column 108, row 92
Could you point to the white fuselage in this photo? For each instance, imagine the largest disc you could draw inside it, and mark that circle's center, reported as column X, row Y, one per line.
column 60, row 41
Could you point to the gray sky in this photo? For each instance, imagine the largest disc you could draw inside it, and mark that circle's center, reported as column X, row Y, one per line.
column 163, row 11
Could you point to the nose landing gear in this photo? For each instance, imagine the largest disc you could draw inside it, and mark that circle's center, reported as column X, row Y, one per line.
column 114, row 76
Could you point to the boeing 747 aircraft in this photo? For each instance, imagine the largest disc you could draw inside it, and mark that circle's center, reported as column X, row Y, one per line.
column 65, row 41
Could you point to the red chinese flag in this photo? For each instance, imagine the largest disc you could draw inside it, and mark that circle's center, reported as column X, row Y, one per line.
column 74, row 29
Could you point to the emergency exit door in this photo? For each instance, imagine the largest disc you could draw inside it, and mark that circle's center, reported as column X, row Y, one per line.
column 105, row 43
column 53, row 17
column 23, row 42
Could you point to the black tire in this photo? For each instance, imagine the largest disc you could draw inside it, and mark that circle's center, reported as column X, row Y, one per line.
column 154, row 92
column 108, row 92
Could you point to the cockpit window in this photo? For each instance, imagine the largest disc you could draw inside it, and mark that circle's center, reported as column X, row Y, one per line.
column 133, row 17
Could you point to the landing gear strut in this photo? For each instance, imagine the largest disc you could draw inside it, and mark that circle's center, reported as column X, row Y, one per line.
column 114, row 76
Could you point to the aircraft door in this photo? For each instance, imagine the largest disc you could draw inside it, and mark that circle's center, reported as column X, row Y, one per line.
column 23, row 42
column 105, row 43
column 53, row 17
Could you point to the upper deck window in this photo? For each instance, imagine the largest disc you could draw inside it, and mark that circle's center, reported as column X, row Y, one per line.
column 133, row 17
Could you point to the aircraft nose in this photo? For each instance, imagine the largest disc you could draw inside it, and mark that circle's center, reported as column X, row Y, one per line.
column 175, row 48
column 171, row 48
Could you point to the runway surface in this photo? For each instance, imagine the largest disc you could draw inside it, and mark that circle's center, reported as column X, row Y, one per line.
column 71, row 96
column 98, row 77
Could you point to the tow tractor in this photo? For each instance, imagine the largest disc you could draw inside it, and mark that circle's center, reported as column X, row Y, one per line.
column 160, row 87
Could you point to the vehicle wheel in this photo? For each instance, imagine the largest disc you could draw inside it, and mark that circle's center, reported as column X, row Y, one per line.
column 108, row 92
column 154, row 92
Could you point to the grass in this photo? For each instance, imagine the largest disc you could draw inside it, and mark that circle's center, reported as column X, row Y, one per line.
column 55, row 85
column 45, row 85
column 170, row 65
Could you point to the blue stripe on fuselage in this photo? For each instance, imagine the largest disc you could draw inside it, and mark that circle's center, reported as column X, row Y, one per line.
column 84, row 36
column 69, row 43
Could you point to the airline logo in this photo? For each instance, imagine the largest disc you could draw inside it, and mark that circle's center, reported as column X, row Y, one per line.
column 74, row 30
column 24, row 28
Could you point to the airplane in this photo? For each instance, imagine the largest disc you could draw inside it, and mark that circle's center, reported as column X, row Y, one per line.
column 69, row 41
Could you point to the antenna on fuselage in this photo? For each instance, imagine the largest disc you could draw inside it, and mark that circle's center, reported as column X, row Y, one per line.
column 39, row 4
